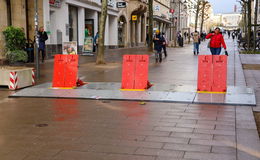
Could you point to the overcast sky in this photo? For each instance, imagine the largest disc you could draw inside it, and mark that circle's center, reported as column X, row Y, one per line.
column 223, row 6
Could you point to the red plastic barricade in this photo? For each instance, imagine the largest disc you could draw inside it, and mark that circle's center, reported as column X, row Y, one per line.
column 71, row 69
column 128, row 72
column 141, row 71
column 219, row 74
column 135, row 72
column 59, row 70
column 65, row 71
column 204, row 73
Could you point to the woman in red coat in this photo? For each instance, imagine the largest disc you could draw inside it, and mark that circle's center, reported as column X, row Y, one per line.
column 216, row 42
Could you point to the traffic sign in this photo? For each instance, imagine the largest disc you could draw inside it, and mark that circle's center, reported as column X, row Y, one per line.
column 121, row 4
column 134, row 17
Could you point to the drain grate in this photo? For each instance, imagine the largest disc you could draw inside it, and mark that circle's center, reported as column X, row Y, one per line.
column 251, row 66
column 41, row 125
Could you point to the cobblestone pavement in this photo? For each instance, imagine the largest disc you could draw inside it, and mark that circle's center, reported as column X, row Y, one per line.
column 73, row 129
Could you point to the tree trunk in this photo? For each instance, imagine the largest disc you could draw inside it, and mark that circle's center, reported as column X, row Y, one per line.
column 202, row 16
column 249, row 24
column 197, row 14
column 150, row 25
column 255, row 23
column 245, row 18
column 101, row 39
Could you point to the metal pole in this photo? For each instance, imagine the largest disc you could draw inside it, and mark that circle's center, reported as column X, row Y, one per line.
column 179, row 16
column 36, row 44
column 255, row 23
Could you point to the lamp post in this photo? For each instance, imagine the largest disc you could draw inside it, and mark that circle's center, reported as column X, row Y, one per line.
column 36, row 44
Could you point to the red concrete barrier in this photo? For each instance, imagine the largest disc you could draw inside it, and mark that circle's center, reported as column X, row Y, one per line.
column 219, row 74
column 141, row 71
column 204, row 73
column 212, row 73
column 65, row 71
column 135, row 72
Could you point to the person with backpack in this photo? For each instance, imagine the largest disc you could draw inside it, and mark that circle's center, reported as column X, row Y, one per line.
column 164, row 44
column 158, row 44
column 216, row 42
column 196, row 42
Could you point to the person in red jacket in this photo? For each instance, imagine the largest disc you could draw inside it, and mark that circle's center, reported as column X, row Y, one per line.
column 216, row 42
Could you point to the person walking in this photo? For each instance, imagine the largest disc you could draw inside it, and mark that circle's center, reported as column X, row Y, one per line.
column 158, row 43
column 228, row 34
column 216, row 41
column 196, row 42
column 42, row 37
column 164, row 45
column 96, row 42
column 233, row 35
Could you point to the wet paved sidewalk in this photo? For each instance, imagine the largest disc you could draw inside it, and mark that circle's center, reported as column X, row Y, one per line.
column 72, row 129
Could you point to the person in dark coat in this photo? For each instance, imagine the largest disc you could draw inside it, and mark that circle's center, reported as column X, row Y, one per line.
column 158, row 44
column 42, row 37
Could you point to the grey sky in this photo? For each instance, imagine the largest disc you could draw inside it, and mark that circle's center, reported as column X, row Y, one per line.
column 223, row 6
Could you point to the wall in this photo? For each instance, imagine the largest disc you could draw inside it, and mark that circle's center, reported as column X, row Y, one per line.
column 3, row 25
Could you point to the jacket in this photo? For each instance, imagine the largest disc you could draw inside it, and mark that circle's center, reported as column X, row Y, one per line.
column 42, row 38
column 216, row 40
column 158, row 43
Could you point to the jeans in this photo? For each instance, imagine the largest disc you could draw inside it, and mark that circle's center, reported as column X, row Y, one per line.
column 42, row 51
column 196, row 47
column 215, row 51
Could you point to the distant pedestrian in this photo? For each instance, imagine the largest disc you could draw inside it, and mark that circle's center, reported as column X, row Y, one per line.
column 196, row 42
column 164, row 44
column 180, row 39
column 95, row 42
column 216, row 41
column 42, row 37
column 233, row 36
column 228, row 34
column 158, row 43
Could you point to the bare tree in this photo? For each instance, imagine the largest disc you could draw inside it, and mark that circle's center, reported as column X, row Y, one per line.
column 204, row 13
column 101, row 39
column 150, row 25
column 197, row 14
column 247, row 11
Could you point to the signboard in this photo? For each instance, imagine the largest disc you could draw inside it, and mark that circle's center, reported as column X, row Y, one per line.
column 88, row 45
column 111, row 3
column 172, row 11
column 70, row 48
column 55, row 3
column 121, row 4
column 134, row 17
column 157, row 8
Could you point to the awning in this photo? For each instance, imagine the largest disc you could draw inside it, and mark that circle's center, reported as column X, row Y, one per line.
column 160, row 19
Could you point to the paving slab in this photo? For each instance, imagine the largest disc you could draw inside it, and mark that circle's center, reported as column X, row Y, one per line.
column 236, row 95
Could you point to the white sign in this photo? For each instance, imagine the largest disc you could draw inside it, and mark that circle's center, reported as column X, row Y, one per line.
column 156, row 8
column 111, row 3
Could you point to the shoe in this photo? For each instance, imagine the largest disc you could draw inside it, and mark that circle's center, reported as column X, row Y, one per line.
column 198, row 53
column 156, row 60
column 160, row 60
column 194, row 53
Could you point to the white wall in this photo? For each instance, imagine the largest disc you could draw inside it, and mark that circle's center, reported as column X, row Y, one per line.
column 113, row 31
column 81, row 25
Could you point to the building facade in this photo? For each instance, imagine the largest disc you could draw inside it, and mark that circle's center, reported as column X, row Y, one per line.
column 73, row 20
column 19, row 13
column 132, row 32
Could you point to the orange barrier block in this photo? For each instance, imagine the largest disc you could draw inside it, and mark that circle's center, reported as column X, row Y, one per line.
column 71, row 74
column 59, row 70
column 141, row 71
column 65, row 71
column 128, row 72
column 219, row 73
column 204, row 73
